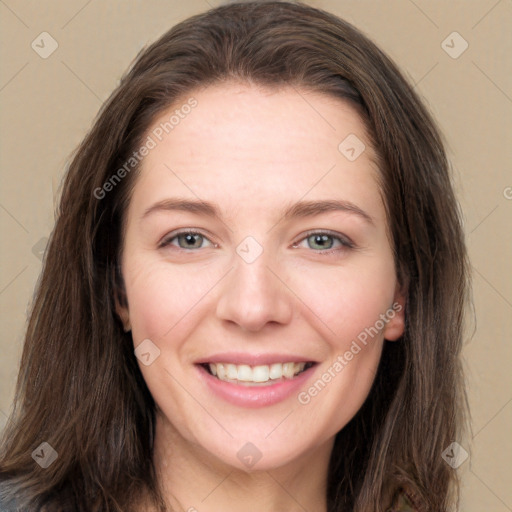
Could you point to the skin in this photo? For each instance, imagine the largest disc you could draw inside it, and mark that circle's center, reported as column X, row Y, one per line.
column 252, row 152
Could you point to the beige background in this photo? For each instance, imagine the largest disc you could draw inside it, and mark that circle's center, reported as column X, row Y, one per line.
column 48, row 105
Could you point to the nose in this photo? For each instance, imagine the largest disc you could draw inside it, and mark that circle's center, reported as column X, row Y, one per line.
column 254, row 295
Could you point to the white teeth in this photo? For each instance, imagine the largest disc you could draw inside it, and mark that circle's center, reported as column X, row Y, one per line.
column 276, row 371
column 288, row 370
column 221, row 371
column 244, row 373
column 255, row 374
column 231, row 371
column 260, row 373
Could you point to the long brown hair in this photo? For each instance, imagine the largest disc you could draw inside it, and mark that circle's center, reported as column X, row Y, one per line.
column 79, row 387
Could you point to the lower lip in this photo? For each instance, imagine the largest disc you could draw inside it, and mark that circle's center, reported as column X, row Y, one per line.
column 254, row 396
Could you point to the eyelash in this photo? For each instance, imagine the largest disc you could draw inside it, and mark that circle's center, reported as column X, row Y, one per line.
column 345, row 242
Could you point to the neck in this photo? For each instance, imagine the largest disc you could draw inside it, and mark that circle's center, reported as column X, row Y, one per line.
column 194, row 480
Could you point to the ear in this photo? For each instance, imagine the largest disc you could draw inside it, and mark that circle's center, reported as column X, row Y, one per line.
column 395, row 326
column 121, row 302
column 123, row 313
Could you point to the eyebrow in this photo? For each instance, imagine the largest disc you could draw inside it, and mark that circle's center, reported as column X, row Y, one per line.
column 298, row 209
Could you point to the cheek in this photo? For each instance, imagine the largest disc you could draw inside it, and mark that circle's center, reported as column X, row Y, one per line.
column 162, row 297
column 347, row 300
column 149, row 300
column 348, row 307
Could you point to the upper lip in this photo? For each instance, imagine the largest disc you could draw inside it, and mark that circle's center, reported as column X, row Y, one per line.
column 239, row 358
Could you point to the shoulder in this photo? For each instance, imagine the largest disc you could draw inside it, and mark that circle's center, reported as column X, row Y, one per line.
column 9, row 498
column 7, row 506
column 405, row 501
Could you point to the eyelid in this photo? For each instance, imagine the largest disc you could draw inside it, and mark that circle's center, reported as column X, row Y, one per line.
column 166, row 240
column 345, row 241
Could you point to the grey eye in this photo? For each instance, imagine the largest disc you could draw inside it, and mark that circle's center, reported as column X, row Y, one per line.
column 321, row 241
column 190, row 240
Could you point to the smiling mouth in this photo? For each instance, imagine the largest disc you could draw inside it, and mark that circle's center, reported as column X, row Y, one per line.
column 261, row 375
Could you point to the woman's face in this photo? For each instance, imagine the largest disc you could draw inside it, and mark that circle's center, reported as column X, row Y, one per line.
column 288, row 268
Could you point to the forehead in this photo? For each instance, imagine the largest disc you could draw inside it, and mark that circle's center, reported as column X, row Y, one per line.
column 250, row 118
column 248, row 145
